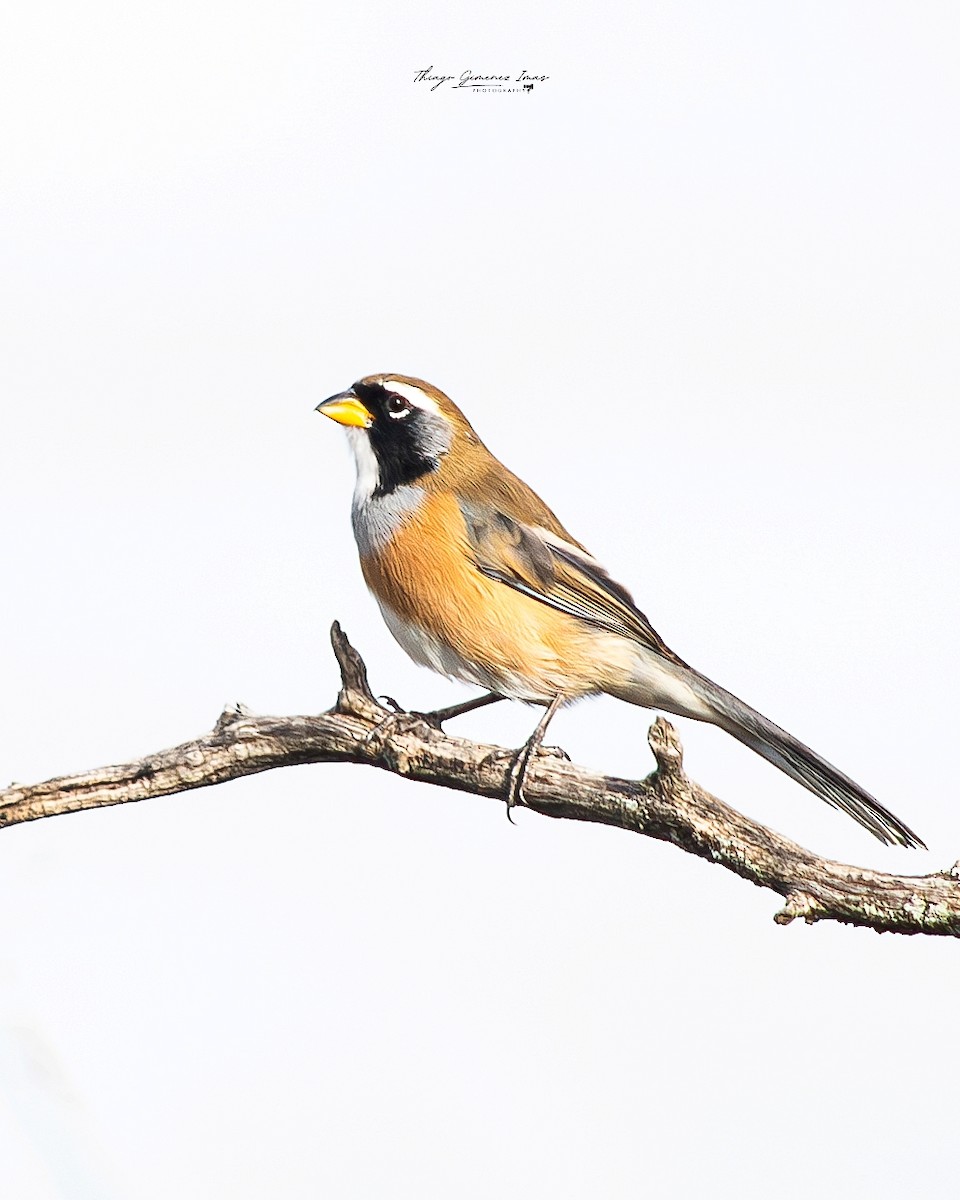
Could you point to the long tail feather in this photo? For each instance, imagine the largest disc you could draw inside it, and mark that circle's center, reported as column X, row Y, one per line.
column 802, row 764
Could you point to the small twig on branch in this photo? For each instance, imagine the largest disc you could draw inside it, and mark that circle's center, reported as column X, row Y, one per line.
column 667, row 805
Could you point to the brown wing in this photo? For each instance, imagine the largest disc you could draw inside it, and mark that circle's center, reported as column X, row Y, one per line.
column 544, row 565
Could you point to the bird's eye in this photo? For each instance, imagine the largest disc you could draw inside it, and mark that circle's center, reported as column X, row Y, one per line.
column 397, row 406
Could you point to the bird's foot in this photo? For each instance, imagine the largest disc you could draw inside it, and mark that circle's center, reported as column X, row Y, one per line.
column 518, row 773
column 554, row 752
column 532, row 746
column 436, row 718
column 515, row 780
column 398, row 721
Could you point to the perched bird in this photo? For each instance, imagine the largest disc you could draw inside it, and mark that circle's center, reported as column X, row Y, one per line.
column 477, row 579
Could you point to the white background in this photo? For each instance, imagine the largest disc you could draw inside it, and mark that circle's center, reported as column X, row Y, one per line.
column 700, row 289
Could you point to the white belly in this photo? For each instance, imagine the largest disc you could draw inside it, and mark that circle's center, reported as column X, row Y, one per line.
column 439, row 656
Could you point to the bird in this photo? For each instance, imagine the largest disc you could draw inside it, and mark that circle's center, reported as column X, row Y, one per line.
column 477, row 579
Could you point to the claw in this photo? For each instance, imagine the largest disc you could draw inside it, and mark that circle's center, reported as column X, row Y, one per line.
column 521, row 763
column 387, row 721
column 398, row 719
column 555, row 752
column 433, row 719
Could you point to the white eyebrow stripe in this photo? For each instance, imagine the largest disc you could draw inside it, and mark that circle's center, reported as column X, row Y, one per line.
column 409, row 391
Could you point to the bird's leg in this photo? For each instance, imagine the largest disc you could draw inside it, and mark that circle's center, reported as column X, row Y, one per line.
column 440, row 715
column 519, row 769
column 434, row 719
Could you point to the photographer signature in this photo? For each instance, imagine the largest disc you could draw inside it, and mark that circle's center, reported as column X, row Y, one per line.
column 468, row 79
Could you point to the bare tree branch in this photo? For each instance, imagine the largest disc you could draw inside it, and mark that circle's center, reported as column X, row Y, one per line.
column 666, row 805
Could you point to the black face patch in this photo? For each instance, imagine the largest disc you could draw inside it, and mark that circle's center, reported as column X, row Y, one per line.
column 407, row 441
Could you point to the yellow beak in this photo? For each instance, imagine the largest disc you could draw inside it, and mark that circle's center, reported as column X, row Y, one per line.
column 346, row 409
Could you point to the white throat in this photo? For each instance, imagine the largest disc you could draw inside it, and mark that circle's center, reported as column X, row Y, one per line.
column 377, row 518
column 368, row 469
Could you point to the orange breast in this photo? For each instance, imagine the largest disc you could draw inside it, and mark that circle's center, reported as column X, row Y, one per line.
column 427, row 577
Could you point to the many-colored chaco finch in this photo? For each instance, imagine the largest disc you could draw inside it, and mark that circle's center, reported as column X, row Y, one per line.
column 477, row 579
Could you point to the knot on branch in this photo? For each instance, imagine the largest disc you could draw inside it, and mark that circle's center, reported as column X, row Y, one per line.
column 231, row 715
column 355, row 698
column 664, row 741
column 799, row 904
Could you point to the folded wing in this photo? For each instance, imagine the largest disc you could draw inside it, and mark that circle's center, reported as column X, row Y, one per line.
column 544, row 566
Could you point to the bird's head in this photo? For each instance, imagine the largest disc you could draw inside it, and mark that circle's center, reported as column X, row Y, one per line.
column 402, row 430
